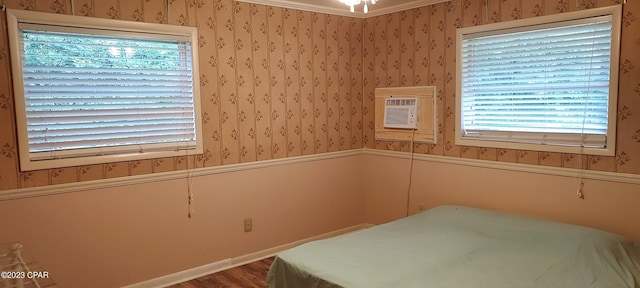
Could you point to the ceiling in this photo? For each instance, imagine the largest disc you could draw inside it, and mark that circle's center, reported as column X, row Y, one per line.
column 335, row 7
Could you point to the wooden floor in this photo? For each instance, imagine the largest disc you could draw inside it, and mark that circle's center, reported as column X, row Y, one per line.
column 252, row 275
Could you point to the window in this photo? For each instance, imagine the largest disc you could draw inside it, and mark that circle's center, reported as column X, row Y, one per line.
column 91, row 90
column 546, row 83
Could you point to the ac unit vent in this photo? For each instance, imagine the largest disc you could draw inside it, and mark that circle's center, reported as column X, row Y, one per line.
column 401, row 113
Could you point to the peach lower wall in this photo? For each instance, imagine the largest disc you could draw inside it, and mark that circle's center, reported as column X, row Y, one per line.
column 119, row 236
column 607, row 205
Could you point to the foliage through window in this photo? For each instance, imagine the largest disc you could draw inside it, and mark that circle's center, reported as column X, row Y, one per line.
column 545, row 83
column 99, row 90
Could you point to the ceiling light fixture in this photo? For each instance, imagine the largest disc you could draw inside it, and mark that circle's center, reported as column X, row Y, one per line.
column 353, row 3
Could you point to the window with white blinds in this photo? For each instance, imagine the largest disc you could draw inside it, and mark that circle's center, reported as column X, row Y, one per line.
column 546, row 83
column 115, row 91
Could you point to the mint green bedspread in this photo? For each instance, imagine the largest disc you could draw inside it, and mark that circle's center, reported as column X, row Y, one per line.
column 459, row 247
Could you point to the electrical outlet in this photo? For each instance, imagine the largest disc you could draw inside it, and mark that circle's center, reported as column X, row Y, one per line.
column 421, row 207
column 248, row 225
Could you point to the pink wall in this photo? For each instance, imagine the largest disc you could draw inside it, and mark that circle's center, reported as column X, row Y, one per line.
column 607, row 205
column 119, row 236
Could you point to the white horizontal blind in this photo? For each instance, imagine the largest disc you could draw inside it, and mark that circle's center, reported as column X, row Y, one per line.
column 542, row 84
column 96, row 94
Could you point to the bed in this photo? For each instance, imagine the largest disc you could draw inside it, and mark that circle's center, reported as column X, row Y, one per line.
column 455, row 246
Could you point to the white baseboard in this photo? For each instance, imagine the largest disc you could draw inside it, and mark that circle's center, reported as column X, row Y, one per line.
column 229, row 263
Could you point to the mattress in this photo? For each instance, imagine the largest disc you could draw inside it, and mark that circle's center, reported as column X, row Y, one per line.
column 455, row 246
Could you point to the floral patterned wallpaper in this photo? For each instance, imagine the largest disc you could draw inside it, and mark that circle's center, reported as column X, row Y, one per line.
column 275, row 83
column 279, row 82
column 417, row 47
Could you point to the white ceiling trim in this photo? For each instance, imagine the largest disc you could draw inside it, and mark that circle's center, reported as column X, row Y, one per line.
column 303, row 6
column 344, row 12
column 401, row 7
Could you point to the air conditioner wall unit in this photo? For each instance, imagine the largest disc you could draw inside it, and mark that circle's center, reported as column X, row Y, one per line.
column 401, row 113
column 399, row 127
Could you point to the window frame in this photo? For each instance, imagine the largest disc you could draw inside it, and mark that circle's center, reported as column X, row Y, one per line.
column 117, row 28
column 615, row 12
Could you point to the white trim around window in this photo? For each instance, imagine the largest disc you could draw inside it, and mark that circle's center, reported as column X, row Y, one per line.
column 546, row 83
column 92, row 90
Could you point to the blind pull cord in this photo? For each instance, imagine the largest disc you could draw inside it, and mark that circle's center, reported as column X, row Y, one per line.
column 190, row 199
